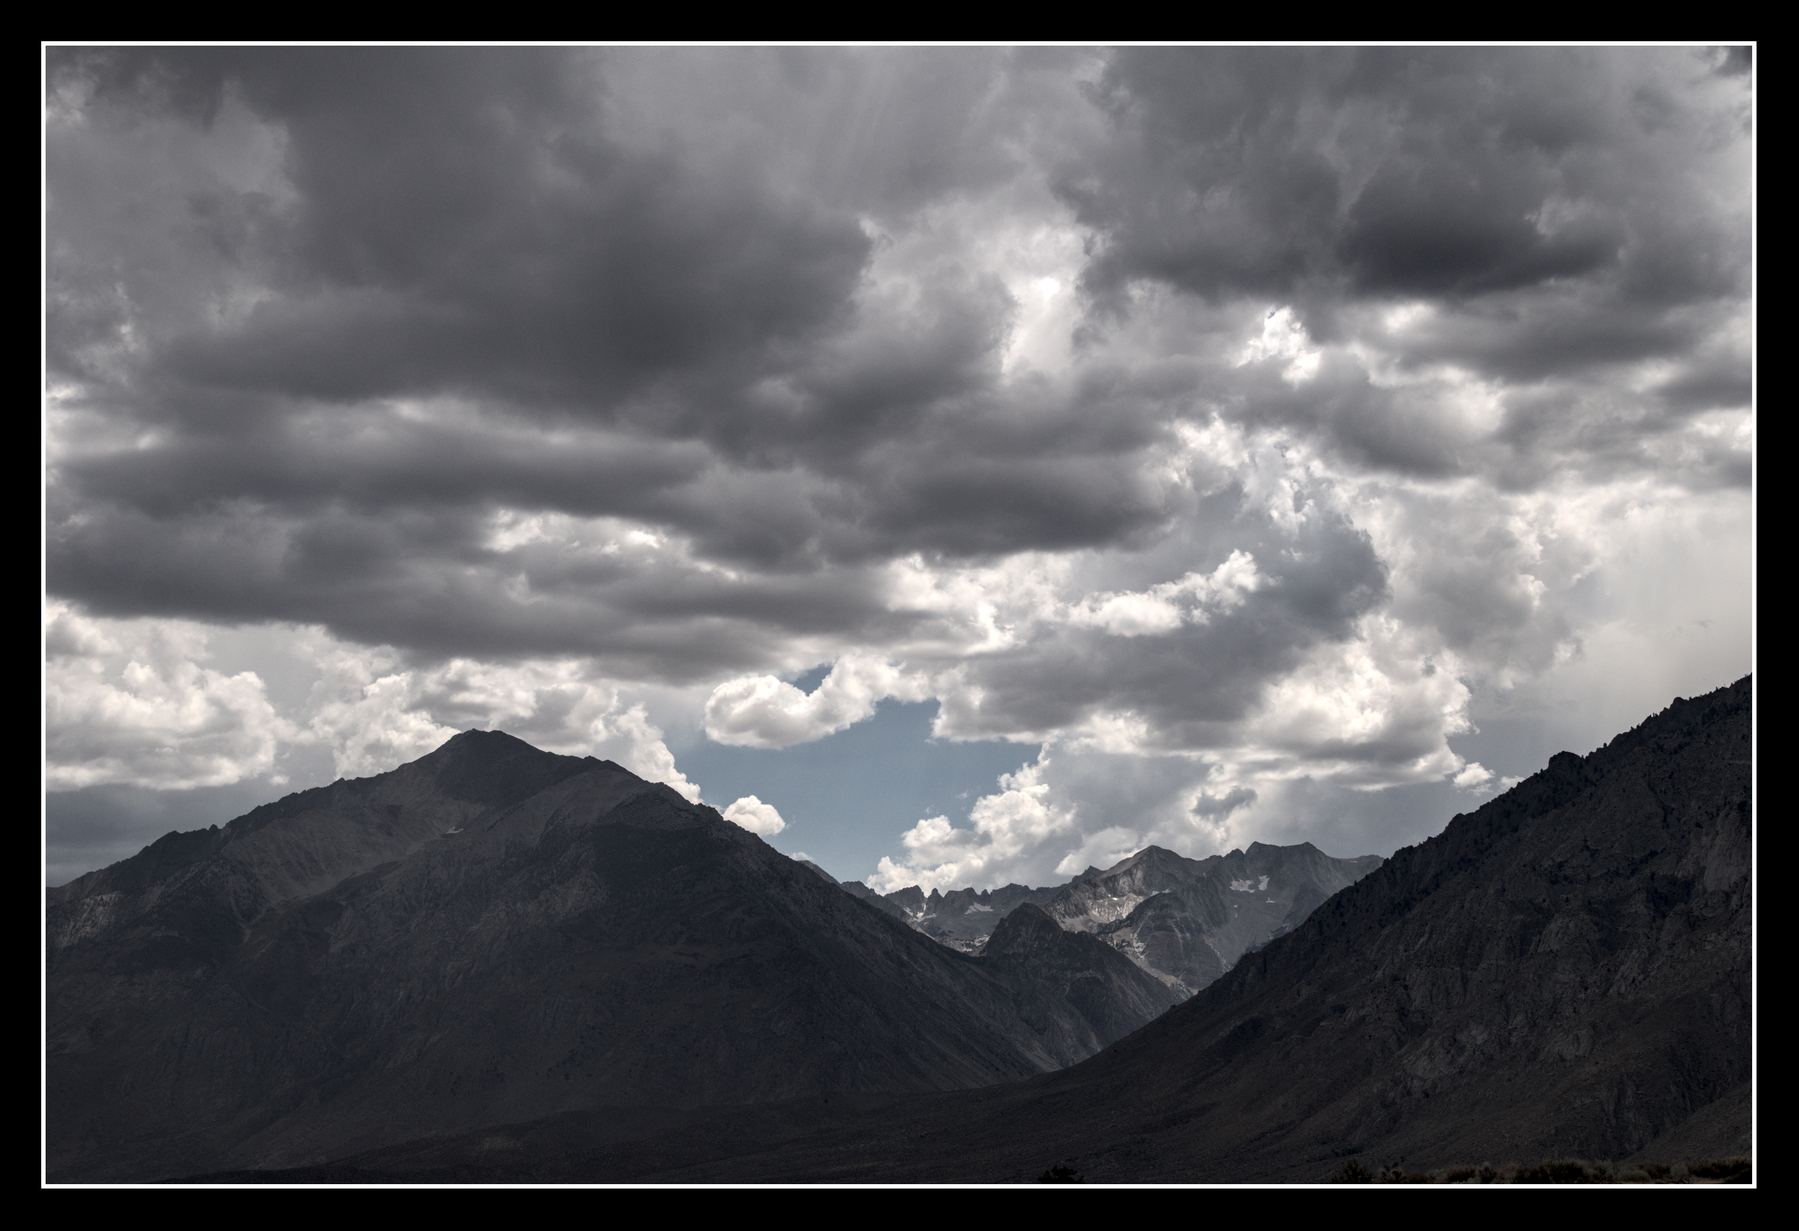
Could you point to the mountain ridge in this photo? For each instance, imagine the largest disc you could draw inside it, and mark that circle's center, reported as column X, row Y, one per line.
column 426, row 951
column 1564, row 971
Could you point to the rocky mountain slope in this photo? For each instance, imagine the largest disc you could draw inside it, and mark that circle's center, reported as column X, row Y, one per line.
column 963, row 919
column 1189, row 920
column 1186, row 921
column 1104, row 986
column 495, row 934
column 1564, row 971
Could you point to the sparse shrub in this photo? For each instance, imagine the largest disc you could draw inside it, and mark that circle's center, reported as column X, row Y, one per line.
column 1728, row 1170
column 1561, row 1171
column 1737, row 1170
column 1061, row 1173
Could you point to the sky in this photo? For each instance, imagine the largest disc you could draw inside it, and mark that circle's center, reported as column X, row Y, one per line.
column 959, row 465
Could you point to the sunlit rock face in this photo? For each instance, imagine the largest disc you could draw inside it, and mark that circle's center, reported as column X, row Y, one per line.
column 1185, row 921
column 1190, row 920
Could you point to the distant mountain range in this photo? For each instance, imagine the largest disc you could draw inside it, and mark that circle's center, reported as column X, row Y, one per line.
column 497, row 964
column 1186, row 921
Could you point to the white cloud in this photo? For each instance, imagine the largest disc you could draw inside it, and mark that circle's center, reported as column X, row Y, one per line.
column 366, row 712
column 1373, row 711
column 375, row 716
column 1008, row 827
column 756, row 816
column 1284, row 337
column 763, row 712
column 128, row 701
column 1166, row 607
column 1473, row 777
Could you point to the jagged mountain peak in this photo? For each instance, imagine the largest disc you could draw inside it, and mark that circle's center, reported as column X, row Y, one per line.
column 1188, row 921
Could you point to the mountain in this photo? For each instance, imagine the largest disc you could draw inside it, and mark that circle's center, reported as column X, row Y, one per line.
column 1188, row 921
column 494, row 934
column 963, row 919
column 1185, row 921
column 1565, row 971
column 1103, row 985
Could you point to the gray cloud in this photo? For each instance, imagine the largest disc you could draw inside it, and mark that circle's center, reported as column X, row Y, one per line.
column 1210, row 806
column 1559, row 208
column 676, row 368
column 461, row 224
column 1195, row 684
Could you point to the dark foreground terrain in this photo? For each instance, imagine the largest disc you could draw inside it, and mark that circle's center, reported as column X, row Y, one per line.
column 1563, row 973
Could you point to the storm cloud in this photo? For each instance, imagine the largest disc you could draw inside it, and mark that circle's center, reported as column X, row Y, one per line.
column 1240, row 426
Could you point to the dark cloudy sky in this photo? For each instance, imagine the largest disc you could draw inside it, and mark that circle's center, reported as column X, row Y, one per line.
column 961, row 465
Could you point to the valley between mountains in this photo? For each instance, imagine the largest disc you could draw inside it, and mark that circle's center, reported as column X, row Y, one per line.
column 496, row 963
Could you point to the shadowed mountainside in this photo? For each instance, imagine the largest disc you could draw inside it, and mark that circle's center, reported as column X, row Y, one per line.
column 496, row 934
column 1563, row 972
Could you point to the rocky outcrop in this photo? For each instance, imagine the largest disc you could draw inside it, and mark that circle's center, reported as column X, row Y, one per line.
column 859, row 890
column 963, row 919
column 1188, row 921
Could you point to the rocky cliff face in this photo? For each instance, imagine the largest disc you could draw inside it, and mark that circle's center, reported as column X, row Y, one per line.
column 490, row 934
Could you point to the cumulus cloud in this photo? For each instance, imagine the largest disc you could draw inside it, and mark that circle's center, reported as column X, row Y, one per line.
column 374, row 714
column 1166, row 607
column 131, row 703
column 1473, row 777
column 1015, row 822
column 756, row 816
column 764, row 712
